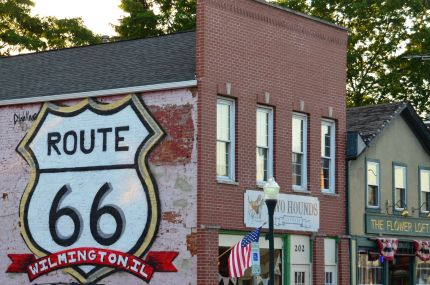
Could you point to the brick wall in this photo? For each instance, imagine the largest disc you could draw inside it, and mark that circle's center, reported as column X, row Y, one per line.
column 259, row 49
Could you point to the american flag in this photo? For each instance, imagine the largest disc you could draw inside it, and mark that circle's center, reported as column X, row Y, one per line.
column 240, row 256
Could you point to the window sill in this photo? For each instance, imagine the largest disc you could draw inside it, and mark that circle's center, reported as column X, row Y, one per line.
column 373, row 210
column 327, row 193
column 226, row 181
column 301, row 190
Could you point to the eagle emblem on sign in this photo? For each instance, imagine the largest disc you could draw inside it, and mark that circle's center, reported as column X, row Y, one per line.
column 91, row 205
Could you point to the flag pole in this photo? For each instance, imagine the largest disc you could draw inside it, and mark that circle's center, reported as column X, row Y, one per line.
column 225, row 252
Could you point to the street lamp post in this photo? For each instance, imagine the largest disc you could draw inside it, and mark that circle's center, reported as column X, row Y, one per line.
column 271, row 193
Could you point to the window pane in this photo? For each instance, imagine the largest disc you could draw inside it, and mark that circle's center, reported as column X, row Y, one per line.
column 298, row 134
column 329, row 278
column 400, row 198
column 425, row 180
column 223, row 122
column 261, row 164
column 372, row 173
column 369, row 270
column 372, row 195
column 425, row 199
column 399, row 176
column 262, row 128
column 422, row 272
column 297, row 168
column 325, row 173
column 222, row 159
column 325, row 140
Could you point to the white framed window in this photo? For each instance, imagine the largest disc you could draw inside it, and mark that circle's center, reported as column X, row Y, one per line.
column 225, row 149
column 370, row 269
column 328, row 148
column 373, row 184
column 425, row 190
column 299, row 151
column 330, row 261
column 226, row 242
column 400, row 187
column 264, row 161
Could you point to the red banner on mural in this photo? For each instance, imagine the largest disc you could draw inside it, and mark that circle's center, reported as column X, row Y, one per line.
column 160, row 261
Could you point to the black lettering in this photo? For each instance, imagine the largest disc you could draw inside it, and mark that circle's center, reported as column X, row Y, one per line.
column 75, row 142
column 15, row 119
column 82, row 142
column 104, row 132
column 53, row 139
column 119, row 139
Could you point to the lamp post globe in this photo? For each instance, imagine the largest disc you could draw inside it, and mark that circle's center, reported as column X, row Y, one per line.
column 271, row 194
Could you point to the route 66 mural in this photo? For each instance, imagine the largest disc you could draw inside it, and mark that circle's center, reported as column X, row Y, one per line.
column 91, row 206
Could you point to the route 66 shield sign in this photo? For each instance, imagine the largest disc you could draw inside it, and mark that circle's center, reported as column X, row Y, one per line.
column 90, row 186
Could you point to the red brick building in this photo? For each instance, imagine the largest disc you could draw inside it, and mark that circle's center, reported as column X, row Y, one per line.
column 258, row 55
column 256, row 91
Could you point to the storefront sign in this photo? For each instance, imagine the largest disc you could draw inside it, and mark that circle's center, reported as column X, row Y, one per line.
column 293, row 212
column 91, row 206
column 396, row 225
column 255, row 258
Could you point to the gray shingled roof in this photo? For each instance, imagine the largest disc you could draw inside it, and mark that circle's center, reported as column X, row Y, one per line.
column 156, row 60
column 369, row 121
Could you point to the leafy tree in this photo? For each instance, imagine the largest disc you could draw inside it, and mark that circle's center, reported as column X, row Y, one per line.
column 155, row 17
column 20, row 31
column 381, row 34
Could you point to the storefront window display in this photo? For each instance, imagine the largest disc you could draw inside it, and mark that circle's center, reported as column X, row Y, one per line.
column 370, row 270
column 422, row 272
column 225, row 243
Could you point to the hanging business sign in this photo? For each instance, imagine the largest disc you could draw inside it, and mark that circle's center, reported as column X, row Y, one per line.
column 91, row 206
column 292, row 212
column 255, row 259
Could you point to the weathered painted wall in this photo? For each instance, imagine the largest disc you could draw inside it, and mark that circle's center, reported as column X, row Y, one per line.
column 397, row 143
column 172, row 162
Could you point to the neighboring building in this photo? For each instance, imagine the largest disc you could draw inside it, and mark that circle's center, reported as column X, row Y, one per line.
column 160, row 183
column 389, row 195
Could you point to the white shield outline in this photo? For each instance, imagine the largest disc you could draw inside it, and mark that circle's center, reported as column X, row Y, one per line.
column 141, row 164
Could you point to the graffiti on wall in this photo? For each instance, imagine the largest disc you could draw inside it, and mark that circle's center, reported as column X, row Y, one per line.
column 91, row 206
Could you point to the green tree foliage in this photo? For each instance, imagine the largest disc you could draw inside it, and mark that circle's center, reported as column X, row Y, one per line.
column 20, row 31
column 155, row 17
column 381, row 34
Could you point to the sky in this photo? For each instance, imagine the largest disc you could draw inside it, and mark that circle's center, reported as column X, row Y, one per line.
column 98, row 15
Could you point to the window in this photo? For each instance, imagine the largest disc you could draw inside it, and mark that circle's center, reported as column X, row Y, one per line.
column 400, row 187
column 327, row 156
column 299, row 278
column 372, row 184
column 422, row 272
column 225, row 140
column 425, row 190
column 299, row 151
column 226, row 242
column 369, row 268
column 264, row 144
column 330, row 261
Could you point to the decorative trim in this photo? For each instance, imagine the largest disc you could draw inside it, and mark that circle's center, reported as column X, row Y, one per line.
column 99, row 93
column 291, row 26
